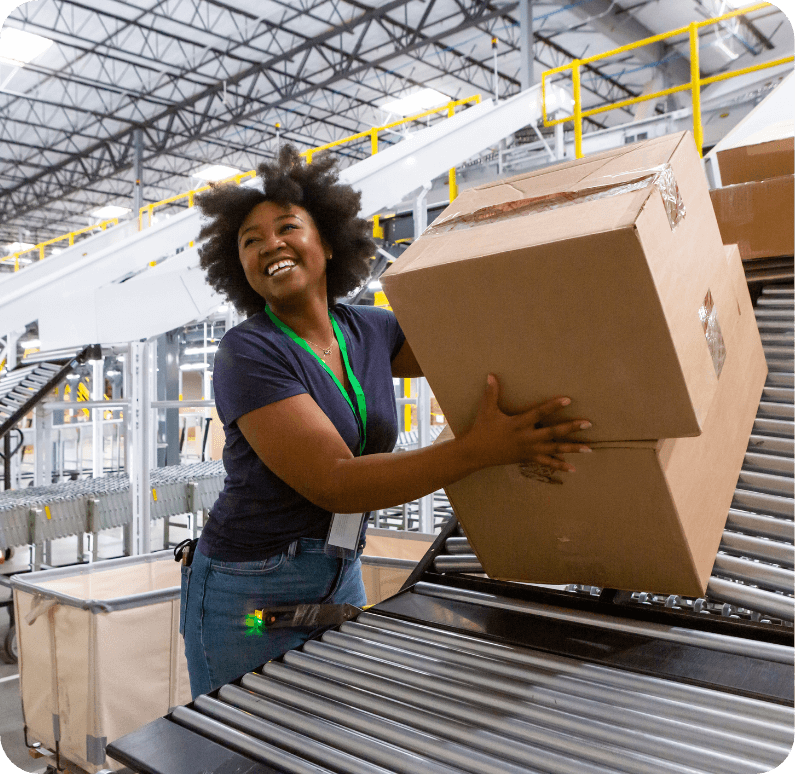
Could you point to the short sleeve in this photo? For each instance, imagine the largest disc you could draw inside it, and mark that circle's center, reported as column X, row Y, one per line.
column 251, row 372
column 389, row 330
column 395, row 335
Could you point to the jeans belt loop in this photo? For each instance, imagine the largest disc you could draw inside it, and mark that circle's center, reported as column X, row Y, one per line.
column 292, row 550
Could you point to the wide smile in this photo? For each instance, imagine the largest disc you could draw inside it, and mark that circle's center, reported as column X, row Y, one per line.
column 280, row 267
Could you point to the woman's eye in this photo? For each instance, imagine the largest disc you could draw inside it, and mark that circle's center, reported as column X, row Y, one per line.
column 249, row 241
column 289, row 226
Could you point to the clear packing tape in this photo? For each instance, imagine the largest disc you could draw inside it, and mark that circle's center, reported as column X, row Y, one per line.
column 661, row 177
column 708, row 315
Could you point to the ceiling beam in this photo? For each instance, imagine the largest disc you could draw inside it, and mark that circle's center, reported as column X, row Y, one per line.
column 617, row 24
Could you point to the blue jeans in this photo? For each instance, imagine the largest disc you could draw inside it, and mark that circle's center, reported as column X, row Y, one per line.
column 219, row 598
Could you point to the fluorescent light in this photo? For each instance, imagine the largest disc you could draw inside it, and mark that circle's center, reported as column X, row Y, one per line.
column 112, row 372
column 31, row 344
column 375, row 285
column 15, row 247
column 73, row 377
column 19, row 47
column 201, row 350
column 424, row 99
column 214, row 172
column 110, row 211
column 193, row 366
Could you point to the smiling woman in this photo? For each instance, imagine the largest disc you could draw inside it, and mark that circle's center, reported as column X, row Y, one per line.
column 304, row 389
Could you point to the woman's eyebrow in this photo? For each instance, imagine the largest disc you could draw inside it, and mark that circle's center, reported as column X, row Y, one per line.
column 254, row 226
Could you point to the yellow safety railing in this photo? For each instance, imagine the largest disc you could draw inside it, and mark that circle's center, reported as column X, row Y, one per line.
column 694, row 86
column 373, row 133
column 70, row 238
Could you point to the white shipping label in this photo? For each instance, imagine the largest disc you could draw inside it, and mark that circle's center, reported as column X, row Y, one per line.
column 345, row 530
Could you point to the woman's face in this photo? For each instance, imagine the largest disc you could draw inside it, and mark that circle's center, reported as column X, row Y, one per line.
column 282, row 253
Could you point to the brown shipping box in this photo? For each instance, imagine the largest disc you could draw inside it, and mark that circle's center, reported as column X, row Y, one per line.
column 573, row 280
column 756, row 161
column 639, row 515
column 758, row 217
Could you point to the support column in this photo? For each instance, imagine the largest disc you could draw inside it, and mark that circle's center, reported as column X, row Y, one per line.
column 560, row 144
column 151, row 372
column 168, row 389
column 424, row 439
column 140, row 446
column 527, row 41
column 138, row 171
column 97, row 440
column 11, row 350
column 42, row 462
column 423, row 390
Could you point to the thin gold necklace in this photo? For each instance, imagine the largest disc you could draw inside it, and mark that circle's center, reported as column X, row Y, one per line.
column 325, row 351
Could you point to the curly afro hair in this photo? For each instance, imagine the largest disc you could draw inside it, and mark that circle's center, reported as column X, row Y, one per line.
column 334, row 207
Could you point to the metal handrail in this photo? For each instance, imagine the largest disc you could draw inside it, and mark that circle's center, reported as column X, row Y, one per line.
column 694, row 85
column 70, row 237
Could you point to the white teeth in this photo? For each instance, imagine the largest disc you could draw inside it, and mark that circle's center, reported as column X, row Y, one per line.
column 279, row 266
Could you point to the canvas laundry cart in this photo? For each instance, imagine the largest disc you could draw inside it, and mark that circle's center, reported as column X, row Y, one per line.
column 100, row 653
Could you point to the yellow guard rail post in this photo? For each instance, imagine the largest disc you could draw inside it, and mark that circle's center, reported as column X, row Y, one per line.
column 694, row 86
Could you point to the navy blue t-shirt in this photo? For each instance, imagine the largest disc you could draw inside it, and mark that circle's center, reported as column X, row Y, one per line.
column 257, row 514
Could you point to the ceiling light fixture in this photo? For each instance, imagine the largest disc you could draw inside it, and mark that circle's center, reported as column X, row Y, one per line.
column 212, row 173
column 201, row 350
column 110, row 211
column 193, row 366
column 424, row 99
column 15, row 247
column 18, row 47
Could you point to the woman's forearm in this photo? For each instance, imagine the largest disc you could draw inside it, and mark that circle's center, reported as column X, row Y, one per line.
column 378, row 481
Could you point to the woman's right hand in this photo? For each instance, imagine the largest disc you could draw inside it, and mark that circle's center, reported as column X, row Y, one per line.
column 497, row 438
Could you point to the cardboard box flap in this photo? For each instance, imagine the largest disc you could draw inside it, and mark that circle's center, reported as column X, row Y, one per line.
column 549, row 226
column 565, row 188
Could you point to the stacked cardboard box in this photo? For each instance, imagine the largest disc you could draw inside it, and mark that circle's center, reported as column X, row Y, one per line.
column 604, row 279
column 755, row 205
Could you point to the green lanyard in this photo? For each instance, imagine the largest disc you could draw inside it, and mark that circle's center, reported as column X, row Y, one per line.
column 361, row 414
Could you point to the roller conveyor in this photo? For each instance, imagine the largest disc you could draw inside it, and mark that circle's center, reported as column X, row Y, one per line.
column 471, row 675
column 35, row 514
column 461, row 673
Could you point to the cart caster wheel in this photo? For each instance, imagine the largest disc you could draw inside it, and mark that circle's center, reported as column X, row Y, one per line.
column 10, row 653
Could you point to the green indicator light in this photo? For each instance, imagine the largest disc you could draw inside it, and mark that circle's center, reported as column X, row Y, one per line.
column 254, row 625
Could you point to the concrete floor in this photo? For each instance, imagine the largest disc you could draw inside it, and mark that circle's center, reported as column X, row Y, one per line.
column 64, row 551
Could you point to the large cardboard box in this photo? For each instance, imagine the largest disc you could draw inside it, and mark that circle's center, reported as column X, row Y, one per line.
column 638, row 515
column 758, row 217
column 757, row 160
column 588, row 279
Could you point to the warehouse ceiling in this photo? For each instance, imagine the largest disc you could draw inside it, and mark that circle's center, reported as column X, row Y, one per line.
column 215, row 82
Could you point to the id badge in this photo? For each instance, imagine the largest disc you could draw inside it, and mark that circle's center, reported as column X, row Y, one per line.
column 343, row 534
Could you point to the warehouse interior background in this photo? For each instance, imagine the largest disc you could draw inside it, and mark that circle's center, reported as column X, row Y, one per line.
column 113, row 114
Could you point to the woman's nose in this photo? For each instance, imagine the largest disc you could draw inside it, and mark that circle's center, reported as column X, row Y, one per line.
column 271, row 243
